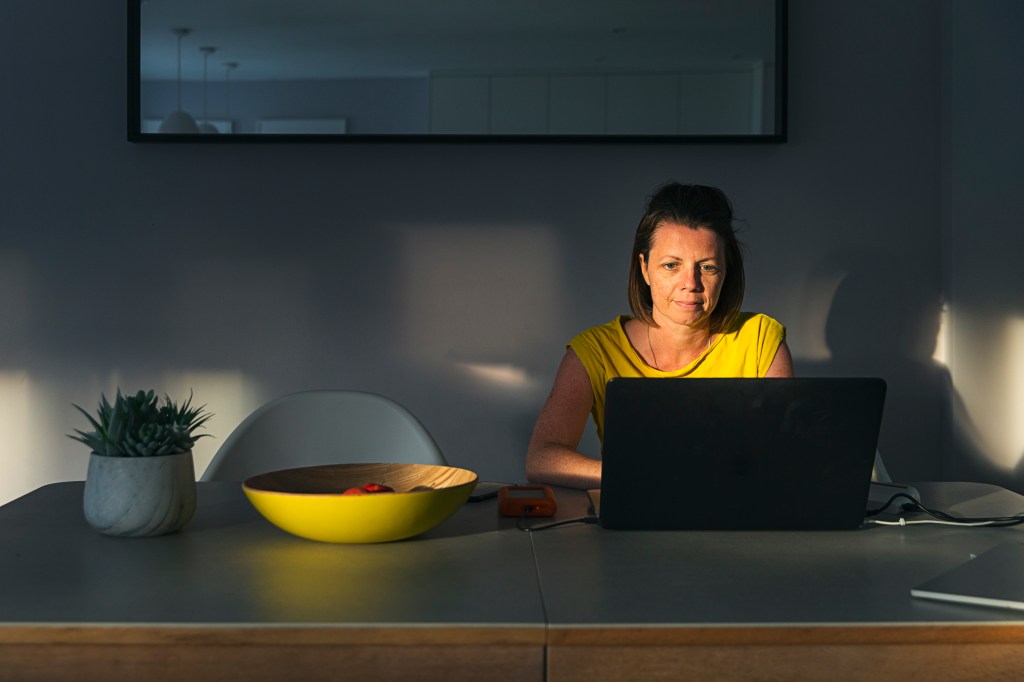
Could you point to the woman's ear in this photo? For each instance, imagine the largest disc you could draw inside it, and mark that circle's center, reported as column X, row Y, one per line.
column 643, row 269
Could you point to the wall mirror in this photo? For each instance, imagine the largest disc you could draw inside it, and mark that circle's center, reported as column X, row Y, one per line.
column 524, row 70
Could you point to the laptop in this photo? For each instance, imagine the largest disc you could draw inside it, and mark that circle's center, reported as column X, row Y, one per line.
column 739, row 454
column 990, row 579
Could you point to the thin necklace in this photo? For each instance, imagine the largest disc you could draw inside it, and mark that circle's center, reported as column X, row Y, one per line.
column 651, row 347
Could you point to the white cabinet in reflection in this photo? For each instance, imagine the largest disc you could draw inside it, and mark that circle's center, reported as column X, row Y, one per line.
column 642, row 104
column 712, row 101
column 577, row 105
column 460, row 105
column 519, row 105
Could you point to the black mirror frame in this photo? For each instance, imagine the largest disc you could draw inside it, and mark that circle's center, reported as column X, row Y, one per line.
column 135, row 133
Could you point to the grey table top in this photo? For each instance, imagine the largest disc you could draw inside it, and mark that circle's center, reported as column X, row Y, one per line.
column 592, row 576
column 230, row 566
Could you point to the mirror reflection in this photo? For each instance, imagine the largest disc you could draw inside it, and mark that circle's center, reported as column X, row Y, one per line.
column 522, row 68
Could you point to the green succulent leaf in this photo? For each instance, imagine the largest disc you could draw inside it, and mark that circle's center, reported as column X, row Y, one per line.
column 139, row 425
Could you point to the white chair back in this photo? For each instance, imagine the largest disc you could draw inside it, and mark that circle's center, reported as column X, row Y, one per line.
column 322, row 427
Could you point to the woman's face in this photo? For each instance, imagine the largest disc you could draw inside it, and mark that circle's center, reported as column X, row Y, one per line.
column 685, row 270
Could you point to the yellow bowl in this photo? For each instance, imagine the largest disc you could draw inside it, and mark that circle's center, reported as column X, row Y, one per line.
column 309, row 501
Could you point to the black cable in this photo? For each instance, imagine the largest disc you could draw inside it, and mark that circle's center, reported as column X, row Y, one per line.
column 914, row 505
column 530, row 529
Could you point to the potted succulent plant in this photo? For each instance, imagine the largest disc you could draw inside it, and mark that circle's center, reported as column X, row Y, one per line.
column 141, row 478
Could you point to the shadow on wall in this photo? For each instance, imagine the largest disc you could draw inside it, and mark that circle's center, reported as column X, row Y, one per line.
column 884, row 320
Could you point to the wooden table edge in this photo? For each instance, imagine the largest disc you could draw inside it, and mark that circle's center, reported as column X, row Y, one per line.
column 787, row 634
column 269, row 635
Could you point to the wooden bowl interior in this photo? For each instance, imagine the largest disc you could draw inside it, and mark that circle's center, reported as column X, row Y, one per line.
column 333, row 479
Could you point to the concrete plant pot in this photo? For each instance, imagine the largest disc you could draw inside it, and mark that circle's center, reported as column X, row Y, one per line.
column 140, row 496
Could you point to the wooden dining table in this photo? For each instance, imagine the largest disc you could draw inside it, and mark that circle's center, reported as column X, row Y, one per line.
column 232, row 597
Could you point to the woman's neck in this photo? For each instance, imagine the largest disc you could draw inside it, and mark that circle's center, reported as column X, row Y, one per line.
column 671, row 347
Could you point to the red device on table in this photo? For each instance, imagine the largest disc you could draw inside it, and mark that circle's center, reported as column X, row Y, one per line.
column 526, row 500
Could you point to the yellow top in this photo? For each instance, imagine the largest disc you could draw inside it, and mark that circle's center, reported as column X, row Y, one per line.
column 746, row 349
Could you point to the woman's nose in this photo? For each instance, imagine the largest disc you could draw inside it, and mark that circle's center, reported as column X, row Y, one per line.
column 691, row 281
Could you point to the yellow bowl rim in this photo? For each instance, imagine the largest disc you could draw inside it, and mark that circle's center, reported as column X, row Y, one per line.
column 262, row 491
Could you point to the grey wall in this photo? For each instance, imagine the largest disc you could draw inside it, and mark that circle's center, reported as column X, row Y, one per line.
column 449, row 277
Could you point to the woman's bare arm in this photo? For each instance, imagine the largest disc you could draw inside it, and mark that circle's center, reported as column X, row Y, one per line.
column 782, row 364
column 552, row 457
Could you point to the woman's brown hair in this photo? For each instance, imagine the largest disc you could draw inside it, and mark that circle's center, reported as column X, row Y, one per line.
column 692, row 206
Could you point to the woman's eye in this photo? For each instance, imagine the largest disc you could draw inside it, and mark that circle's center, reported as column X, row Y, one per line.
column 670, row 266
column 708, row 268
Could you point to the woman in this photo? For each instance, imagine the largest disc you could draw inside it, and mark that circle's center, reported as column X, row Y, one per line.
column 686, row 287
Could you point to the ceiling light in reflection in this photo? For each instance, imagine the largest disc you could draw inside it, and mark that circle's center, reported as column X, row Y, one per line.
column 505, row 376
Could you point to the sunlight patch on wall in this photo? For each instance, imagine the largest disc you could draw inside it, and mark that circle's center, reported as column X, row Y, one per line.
column 941, row 354
column 229, row 396
column 1013, row 392
column 482, row 299
column 499, row 375
column 16, row 429
column 35, row 418
column 995, row 394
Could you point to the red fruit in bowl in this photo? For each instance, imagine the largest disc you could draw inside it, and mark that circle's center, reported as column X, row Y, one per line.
column 378, row 488
column 354, row 491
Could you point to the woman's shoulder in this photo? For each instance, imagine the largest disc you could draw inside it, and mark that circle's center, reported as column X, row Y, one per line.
column 750, row 324
column 749, row 319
